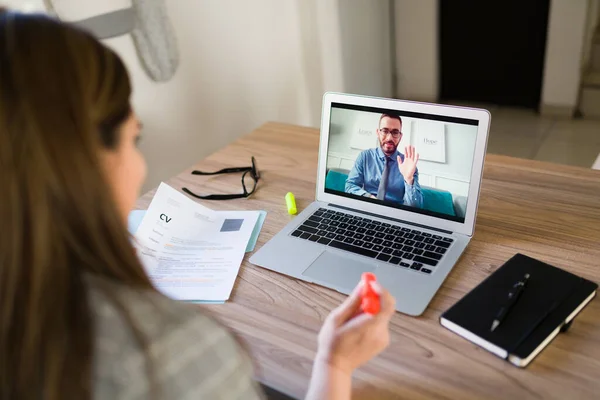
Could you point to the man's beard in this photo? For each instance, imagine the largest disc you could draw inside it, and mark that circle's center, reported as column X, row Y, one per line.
column 385, row 148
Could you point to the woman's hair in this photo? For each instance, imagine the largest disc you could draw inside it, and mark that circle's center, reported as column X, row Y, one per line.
column 63, row 98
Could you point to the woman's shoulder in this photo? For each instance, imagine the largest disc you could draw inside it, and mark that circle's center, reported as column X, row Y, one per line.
column 186, row 348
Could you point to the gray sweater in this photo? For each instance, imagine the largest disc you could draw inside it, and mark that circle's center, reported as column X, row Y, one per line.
column 193, row 357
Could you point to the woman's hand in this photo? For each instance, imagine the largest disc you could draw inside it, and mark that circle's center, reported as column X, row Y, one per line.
column 350, row 338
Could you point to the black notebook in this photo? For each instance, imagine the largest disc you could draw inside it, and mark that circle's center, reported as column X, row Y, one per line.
column 551, row 299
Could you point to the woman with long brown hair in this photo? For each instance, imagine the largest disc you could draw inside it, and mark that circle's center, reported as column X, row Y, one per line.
column 79, row 317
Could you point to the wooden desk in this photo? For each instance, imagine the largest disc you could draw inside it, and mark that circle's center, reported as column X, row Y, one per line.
column 548, row 211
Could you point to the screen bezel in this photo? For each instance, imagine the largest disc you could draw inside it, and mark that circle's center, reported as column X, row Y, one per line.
column 481, row 115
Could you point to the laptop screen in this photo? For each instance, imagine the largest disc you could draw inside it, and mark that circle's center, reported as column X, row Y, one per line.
column 407, row 160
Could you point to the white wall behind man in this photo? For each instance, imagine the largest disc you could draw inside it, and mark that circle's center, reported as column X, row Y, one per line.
column 453, row 175
column 245, row 63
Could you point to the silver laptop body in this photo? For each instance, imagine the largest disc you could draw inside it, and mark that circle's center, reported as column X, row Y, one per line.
column 410, row 236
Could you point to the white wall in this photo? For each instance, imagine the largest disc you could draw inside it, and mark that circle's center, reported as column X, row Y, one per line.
column 245, row 63
column 416, row 36
column 562, row 72
column 453, row 175
column 416, row 30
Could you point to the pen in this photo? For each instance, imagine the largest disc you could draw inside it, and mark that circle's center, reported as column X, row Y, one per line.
column 513, row 296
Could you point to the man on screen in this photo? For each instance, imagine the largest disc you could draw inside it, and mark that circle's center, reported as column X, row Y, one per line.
column 384, row 173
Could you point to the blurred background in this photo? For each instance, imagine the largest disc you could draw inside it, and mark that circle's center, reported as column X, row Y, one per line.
column 534, row 64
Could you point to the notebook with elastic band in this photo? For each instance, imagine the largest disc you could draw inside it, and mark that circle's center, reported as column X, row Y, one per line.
column 517, row 311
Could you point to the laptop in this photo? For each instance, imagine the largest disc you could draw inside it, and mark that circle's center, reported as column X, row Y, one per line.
column 397, row 192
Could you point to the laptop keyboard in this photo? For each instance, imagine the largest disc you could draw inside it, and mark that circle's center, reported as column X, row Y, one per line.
column 400, row 246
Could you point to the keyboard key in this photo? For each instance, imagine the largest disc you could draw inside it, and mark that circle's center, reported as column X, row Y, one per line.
column 379, row 228
column 370, row 226
column 426, row 260
column 314, row 238
column 305, row 235
column 416, row 232
column 440, row 250
column 359, row 236
column 410, row 242
column 429, row 240
column 340, row 231
column 377, row 247
column 437, row 237
column 420, row 245
column 349, row 240
column 340, row 237
column 322, row 232
column 376, row 222
column 419, row 238
column 367, row 220
column 386, row 224
column 409, row 235
column 324, row 241
column 383, row 257
column 387, row 250
column 377, row 241
column 399, row 240
column 388, row 230
column 350, row 234
column 368, row 238
column 331, row 229
column 336, row 218
column 357, row 217
column 354, row 249
column 334, row 223
column 296, row 233
column 321, row 210
column 409, row 256
column 433, row 255
column 405, row 265
column 397, row 246
column 344, row 226
column 353, row 222
column 442, row 244
column 418, row 252
column 387, row 243
column 339, row 213
column 370, row 232
column 405, row 229
column 323, row 226
column 408, row 249
column 358, row 242
column 426, row 234
column 390, row 237
column 426, row 270
column 450, row 240
column 380, row 235
column 398, row 253
column 330, row 235
column 430, row 247
column 315, row 218
column 352, row 228
column 416, row 266
column 368, row 245
column 344, row 220
column 362, row 224
column 311, row 223
column 305, row 228
column 395, row 260
column 361, row 230
column 326, row 221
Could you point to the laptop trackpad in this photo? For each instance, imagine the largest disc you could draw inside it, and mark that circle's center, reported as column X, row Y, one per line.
column 337, row 270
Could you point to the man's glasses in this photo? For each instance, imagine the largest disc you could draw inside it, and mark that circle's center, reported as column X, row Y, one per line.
column 394, row 132
column 250, row 178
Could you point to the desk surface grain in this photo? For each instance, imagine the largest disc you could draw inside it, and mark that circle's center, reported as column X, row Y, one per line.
column 548, row 211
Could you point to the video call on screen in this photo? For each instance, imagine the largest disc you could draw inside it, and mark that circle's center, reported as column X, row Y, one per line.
column 372, row 157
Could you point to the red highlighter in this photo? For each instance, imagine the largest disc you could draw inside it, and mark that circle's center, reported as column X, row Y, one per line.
column 370, row 299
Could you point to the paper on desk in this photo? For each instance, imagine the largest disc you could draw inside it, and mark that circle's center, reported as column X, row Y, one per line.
column 189, row 251
column 136, row 217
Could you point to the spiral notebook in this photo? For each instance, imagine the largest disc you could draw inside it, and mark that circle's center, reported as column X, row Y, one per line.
column 547, row 306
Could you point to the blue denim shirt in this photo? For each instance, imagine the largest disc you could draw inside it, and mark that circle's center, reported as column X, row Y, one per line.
column 366, row 174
